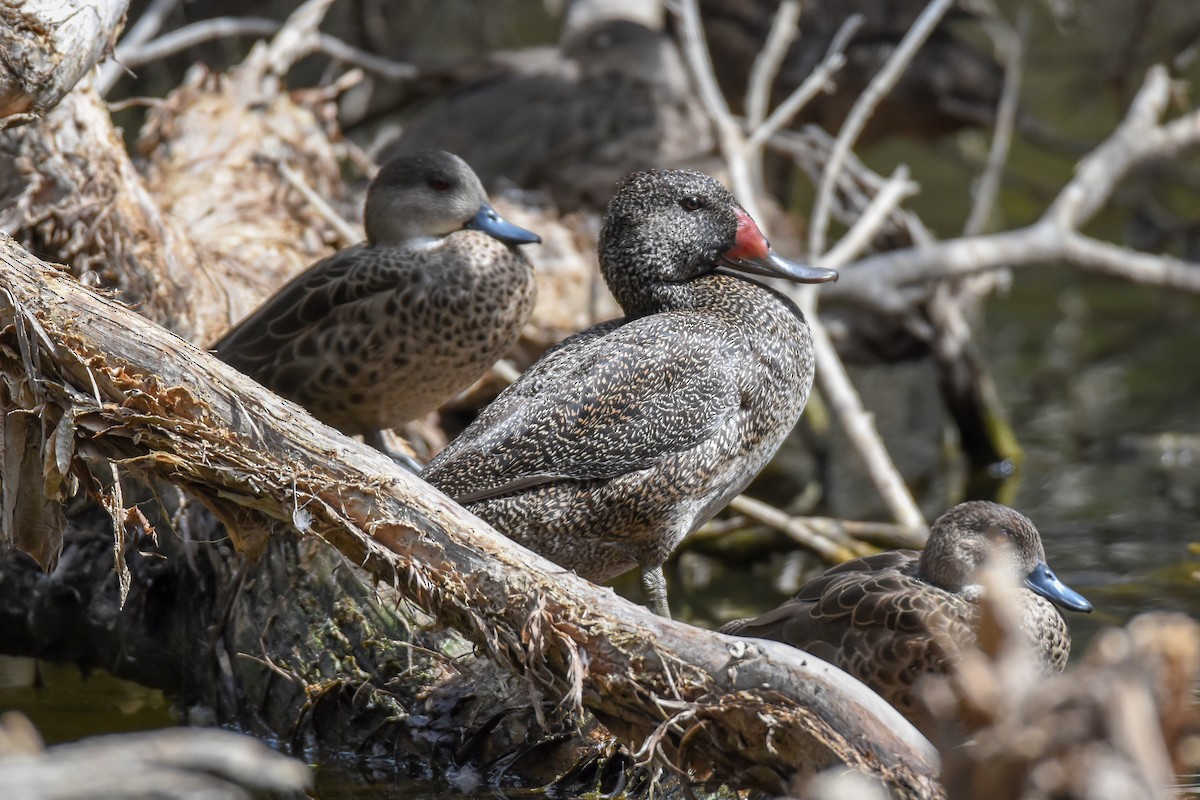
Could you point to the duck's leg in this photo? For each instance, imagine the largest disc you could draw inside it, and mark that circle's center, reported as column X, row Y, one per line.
column 377, row 440
column 654, row 584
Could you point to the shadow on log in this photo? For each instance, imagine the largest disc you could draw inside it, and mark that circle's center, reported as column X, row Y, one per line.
column 110, row 385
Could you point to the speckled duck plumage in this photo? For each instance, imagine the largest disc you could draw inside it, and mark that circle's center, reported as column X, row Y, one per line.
column 383, row 332
column 884, row 618
column 628, row 436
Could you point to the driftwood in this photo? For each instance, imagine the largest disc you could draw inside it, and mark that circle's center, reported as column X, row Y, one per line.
column 107, row 383
column 48, row 45
column 180, row 764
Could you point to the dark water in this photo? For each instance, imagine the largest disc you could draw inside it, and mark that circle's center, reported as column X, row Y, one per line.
column 66, row 705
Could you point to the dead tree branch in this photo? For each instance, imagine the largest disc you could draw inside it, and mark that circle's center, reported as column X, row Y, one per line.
column 135, row 54
column 147, row 26
column 864, row 106
column 47, row 46
column 104, row 379
column 886, row 281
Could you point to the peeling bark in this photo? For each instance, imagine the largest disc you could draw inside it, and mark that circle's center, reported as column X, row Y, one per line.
column 46, row 46
column 710, row 706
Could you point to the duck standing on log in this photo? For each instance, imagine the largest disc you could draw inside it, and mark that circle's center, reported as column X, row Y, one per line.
column 887, row 618
column 383, row 332
column 628, row 436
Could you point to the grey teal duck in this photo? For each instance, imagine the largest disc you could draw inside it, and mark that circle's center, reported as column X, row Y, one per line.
column 625, row 438
column 380, row 333
column 883, row 618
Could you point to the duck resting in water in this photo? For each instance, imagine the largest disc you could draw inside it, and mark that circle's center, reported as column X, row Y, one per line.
column 625, row 438
column 884, row 618
column 383, row 332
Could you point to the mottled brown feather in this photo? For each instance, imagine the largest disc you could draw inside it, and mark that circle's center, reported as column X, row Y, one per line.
column 881, row 618
column 385, row 331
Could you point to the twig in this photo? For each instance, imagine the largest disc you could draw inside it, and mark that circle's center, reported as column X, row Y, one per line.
column 879, row 86
column 349, row 234
column 821, row 539
column 841, row 538
column 988, row 187
column 859, row 425
column 818, row 80
column 770, row 59
column 147, row 25
column 857, row 184
column 224, row 27
column 867, row 226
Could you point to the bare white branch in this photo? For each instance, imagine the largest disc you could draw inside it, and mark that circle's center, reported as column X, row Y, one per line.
column 988, row 187
column 872, row 219
column 879, row 281
column 1137, row 138
column 139, row 54
column 770, row 59
column 819, row 80
column 864, row 106
column 149, row 24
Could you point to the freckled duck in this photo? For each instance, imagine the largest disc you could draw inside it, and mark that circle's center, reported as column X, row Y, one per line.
column 385, row 331
column 881, row 617
column 628, row 436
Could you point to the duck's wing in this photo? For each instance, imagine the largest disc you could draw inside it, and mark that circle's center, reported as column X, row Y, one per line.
column 341, row 279
column 615, row 399
column 870, row 616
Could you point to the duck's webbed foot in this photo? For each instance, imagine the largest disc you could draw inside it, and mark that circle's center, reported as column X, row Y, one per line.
column 654, row 584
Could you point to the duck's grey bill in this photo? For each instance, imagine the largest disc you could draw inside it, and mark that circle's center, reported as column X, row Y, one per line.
column 1043, row 581
column 489, row 222
column 774, row 266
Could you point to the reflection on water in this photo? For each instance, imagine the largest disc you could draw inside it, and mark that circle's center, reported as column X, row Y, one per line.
column 1101, row 380
column 65, row 705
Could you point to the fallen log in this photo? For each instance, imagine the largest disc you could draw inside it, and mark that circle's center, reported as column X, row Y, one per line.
column 103, row 382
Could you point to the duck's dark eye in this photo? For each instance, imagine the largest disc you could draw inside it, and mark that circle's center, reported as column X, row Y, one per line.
column 692, row 203
column 438, row 184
